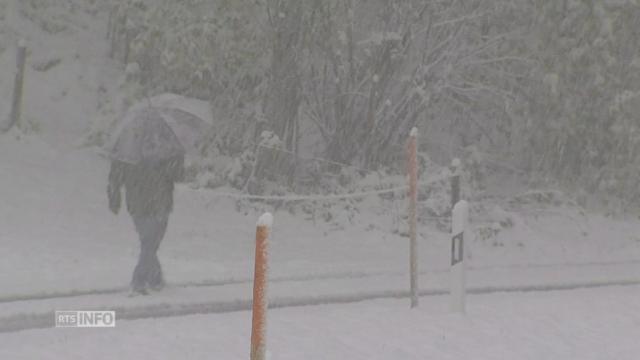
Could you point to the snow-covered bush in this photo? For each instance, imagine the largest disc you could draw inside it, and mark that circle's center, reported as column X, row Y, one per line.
column 239, row 172
column 43, row 13
column 542, row 198
column 204, row 49
column 491, row 220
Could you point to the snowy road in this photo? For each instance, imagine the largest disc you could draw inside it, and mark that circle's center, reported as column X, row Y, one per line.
column 585, row 324
column 180, row 300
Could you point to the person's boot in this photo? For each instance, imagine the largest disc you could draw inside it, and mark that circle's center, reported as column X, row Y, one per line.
column 158, row 286
column 155, row 279
column 156, row 283
column 138, row 290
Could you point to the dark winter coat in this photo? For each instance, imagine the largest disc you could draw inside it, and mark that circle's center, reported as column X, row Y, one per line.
column 148, row 187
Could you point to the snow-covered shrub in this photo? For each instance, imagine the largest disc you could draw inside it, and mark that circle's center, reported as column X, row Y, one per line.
column 45, row 14
column 270, row 158
column 239, row 171
column 474, row 170
column 487, row 231
column 491, row 221
column 113, row 106
column 198, row 48
column 542, row 198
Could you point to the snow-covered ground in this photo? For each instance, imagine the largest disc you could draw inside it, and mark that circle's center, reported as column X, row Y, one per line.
column 590, row 324
column 57, row 234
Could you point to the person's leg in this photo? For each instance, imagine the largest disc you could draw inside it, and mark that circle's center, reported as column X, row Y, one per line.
column 155, row 279
column 144, row 227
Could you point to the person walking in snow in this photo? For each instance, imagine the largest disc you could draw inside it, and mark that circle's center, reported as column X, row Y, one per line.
column 149, row 197
column 147, row 160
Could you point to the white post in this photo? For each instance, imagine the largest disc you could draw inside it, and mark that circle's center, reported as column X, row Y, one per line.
column 460, row 220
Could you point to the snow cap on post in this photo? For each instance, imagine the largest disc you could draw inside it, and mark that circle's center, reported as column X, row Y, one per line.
column 22, row 43
column 265, row 220
column 414, row 132
column 460, row 217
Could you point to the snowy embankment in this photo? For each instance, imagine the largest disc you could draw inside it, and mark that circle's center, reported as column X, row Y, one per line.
column 58, row 236
column 580, row 324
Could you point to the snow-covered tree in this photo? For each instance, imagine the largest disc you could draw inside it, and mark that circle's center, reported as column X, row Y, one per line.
column 376, row 69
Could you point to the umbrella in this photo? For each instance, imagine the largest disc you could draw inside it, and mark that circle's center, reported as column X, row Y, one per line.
column 160, row 128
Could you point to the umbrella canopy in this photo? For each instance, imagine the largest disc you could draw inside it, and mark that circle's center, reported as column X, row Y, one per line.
column 159, row 128
column 145, row 136
column 196, row 108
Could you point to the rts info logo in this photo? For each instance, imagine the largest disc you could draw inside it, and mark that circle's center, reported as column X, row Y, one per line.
column 83, row 319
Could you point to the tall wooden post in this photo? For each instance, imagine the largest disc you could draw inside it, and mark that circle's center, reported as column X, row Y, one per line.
column 260, row 302
column 413, row 199
column 18, row 86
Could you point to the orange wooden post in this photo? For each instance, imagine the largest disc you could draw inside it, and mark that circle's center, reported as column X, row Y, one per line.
column 413, row 199
column 260, row 302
